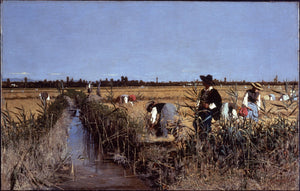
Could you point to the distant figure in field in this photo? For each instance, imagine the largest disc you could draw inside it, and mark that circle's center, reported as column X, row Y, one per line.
column 126, row 99
column 122, row 99
column 60, row 87
column 252, row 101
column 132, row 99
column 98, row 89
column 89, row 88
column 284, row 97
column 44, row 96
column 161, row 115
column 270, row 97
column 293, row 94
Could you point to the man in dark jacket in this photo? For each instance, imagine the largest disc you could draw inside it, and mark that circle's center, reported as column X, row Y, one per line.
column 208, row 105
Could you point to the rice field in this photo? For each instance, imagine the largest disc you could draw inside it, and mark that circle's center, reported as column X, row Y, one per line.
column 191, row 163
column 239, row 152
column 29, row 98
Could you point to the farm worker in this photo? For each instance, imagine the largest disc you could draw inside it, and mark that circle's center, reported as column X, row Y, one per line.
column 252, row 101
column 167, row 114
column 229, row 111
column 209, row 103
column 124, row 98
column 284, row 97
column 89, row 87
column 44, row 96
column 98, row 89
column 272, row 97
column 132, row 99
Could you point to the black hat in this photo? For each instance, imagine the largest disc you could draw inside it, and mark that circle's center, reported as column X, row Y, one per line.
column 149, row 105
column 207, row 79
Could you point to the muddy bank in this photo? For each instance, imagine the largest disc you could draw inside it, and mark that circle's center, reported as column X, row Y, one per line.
column 103, row 176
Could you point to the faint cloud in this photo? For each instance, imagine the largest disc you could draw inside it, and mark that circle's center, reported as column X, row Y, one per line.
column 55, row 74
column 112, row 74
column 189, row 71
column 20, row 73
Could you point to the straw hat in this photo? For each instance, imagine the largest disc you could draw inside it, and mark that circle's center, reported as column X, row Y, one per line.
column 257, row 85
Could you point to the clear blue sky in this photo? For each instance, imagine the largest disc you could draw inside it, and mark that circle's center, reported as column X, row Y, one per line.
column 174, row 41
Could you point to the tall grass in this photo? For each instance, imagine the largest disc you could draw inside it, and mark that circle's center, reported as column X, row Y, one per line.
column 28, row 156
column 247, row 145
column 250, row 150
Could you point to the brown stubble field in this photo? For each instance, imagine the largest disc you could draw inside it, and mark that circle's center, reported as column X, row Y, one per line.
column 29, row 98
column 11, row 99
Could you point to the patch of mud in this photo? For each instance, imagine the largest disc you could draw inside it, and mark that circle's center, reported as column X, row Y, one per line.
column 102, row 176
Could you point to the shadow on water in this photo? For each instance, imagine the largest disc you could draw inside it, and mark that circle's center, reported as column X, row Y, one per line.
column 91, row 170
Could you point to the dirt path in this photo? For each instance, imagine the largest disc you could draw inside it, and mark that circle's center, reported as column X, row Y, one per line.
column 88, row 170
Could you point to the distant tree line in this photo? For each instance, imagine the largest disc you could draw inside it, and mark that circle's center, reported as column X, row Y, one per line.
column 69, row 83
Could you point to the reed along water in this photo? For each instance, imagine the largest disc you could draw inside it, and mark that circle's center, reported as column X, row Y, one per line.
column 91, row 170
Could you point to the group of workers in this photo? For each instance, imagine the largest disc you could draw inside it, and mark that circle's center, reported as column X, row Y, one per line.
column 208, row 104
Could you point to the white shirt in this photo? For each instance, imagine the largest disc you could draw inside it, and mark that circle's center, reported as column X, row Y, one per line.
column 245, row 101
column 153, row 115
column 126, row 99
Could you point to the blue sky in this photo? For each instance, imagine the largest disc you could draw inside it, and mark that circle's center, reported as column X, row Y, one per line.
column 174, row 41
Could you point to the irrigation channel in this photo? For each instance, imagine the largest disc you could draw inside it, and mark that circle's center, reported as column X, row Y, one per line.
column 90, row 170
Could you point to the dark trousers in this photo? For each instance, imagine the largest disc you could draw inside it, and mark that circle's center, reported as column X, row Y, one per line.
column 203, row 122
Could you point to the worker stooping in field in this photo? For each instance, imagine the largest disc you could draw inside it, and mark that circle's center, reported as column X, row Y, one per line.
column 209, row 103
column 162, row 114
column 252, row 101
column 126, row 99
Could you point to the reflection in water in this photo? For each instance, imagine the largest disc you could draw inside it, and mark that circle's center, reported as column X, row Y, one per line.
column 81, row 145
column 91, row 170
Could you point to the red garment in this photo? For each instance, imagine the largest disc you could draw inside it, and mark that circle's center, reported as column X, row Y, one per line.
column 243, row 112
column 132, row 98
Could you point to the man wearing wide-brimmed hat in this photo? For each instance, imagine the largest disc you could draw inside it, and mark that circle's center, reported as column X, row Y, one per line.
column 208, row 104
column 252, row 101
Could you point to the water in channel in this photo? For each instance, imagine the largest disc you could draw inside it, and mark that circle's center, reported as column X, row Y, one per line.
column 91, row 170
